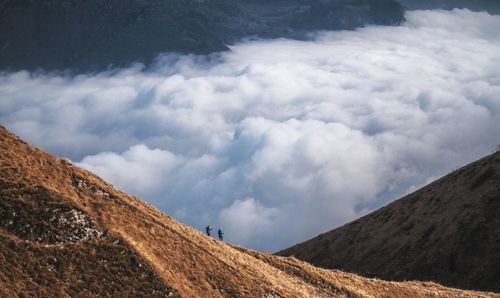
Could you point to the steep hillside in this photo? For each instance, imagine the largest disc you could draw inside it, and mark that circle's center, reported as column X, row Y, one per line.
column 94, row 34
column 65, row 232
column 447, row 232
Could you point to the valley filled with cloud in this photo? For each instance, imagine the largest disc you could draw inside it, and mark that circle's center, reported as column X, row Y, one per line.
column 279, row 140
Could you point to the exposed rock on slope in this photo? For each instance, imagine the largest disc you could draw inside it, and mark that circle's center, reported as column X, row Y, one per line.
column 64, row 232
column 447, row 232
column 48, row 219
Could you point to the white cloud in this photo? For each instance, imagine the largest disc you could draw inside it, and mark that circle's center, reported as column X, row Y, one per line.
column 279, row 140
column 138, row 169
column 247, row 219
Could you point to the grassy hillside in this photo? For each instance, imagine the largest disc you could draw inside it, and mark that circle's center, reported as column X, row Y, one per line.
column 447, row 232
column 66, row 232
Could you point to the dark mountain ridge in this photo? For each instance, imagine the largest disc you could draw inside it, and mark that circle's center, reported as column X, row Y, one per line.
column 97, row 34
column 447, row 232
column 490, row 6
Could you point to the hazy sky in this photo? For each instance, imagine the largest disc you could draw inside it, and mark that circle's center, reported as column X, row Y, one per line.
column 277, row 141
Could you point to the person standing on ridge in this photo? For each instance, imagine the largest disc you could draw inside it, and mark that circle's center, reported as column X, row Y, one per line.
column 208, row 229
column 221, row 234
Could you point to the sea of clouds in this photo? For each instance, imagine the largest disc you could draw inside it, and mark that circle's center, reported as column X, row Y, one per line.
column 279, row 140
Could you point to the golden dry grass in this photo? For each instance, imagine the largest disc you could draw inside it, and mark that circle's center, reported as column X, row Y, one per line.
column 187, row 262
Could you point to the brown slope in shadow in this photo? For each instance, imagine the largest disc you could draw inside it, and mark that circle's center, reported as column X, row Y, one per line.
column 100, row 223
column 447, row 232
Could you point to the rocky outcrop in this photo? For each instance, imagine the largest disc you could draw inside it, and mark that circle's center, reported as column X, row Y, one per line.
column 36, row 214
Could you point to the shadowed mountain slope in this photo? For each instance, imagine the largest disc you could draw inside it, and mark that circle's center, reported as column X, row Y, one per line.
column 92, row 35
column 95, row 34
column 447, row 232
column 65, row 232
column 491, row 6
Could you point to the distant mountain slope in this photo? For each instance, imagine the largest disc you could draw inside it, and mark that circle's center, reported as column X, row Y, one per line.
column 447, row 232
column 94, row 34
column 65, row 232
column 235, row 19
column 491, row 6
column 86, row 35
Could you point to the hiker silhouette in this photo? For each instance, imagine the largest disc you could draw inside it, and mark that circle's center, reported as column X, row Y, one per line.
column 208, row 229
column 221, row 234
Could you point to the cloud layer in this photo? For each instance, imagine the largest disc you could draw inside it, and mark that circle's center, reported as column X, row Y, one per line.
column 279, row 140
